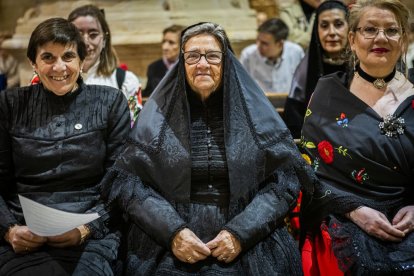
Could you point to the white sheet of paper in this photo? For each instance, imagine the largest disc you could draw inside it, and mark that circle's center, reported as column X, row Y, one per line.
column 45, row 221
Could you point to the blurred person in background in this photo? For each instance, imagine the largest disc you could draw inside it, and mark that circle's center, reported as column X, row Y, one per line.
column 298, row 16
column 272, row 61
column 325, row 55
column 101, row 65
column 170, row 46
column 9, row 73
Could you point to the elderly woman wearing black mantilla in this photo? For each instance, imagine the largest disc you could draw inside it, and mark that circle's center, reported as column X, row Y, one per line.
column 210, row 171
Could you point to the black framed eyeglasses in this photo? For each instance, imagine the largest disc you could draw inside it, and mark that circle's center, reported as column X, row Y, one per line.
column 193, row 57
column 370, row 32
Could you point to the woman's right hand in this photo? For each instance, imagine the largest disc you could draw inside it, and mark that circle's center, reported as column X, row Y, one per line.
column 187, row 247
column 375, row 224
column 23, row 240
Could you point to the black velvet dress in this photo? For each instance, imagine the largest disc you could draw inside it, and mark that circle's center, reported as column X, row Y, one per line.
column 55, row 150
column 225, row 164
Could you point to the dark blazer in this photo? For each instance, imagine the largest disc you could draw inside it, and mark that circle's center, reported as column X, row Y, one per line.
column 155, row 72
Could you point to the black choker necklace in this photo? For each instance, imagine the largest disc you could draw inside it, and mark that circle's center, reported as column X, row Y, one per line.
column 378, row 83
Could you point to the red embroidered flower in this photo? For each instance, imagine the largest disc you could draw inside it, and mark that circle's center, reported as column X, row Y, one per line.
column 412, row 104
column 360, row 176
column 325, row 150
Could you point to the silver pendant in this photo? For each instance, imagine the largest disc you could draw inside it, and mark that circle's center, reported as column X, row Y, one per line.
column 392, row 126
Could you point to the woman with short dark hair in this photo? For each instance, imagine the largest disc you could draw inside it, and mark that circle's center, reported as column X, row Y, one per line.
column 57, row 139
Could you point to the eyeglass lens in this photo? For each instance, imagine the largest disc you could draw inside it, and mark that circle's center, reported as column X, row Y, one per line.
column 213, row 57
column 371, row 32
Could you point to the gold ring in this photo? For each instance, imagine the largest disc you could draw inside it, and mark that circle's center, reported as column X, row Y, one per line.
column 189, row 258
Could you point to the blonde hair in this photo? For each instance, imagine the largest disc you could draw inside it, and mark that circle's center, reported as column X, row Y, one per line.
column 108, row 60
column 401, row 12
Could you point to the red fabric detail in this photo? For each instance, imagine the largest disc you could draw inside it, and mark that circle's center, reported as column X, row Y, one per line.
column 325, row 150
column 294, row 221
column 318, row 258
column 35, row 80
column 123, row 66
column 139, row 96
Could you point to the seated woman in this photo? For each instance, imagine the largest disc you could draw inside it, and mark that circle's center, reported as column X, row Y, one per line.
column 101, row 62
column 359, row 133
column 210, row 171
column 325, row 55
column 57, row 139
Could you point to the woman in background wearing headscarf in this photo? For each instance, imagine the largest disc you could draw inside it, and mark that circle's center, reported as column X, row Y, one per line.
column 326, row 55
column 210, row 171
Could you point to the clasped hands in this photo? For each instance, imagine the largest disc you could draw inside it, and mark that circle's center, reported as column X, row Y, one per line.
column 24, row 241
column 187, row 247
column 376, row 223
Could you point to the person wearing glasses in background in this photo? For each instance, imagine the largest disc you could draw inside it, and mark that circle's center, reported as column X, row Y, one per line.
column 359, row 137
column 210, row 173
column 101, row 63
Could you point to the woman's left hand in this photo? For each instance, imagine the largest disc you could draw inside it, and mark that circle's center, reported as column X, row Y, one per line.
column 404, row 219
column 225, row 247
column 70, row 238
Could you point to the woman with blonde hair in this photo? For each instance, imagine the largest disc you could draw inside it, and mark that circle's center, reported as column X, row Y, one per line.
column 359, row 133
column 101, row 63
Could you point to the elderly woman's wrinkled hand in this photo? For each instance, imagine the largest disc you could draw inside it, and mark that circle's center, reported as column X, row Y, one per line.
column 23, row 240
column 375, row 224
column 404, row 219
column 225, row 247
column 187, row 247
column 70, row 238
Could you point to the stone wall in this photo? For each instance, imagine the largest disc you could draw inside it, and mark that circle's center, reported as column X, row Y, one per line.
column 137, row 25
